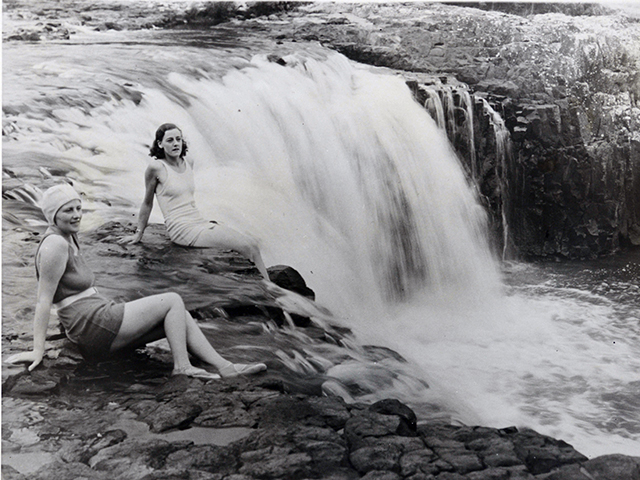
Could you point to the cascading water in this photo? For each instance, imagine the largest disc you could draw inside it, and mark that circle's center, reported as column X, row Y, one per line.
column 503, row 156
column 456, row 104
column 341, row 174
column 433, row 104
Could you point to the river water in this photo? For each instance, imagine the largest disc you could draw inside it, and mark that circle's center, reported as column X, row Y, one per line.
column 339, row 173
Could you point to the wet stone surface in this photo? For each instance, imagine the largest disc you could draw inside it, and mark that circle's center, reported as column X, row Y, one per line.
column 119, row 420
column 128, row 418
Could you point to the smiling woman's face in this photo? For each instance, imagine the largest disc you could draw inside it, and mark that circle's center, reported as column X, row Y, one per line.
column 171, row 143
column 68, row 217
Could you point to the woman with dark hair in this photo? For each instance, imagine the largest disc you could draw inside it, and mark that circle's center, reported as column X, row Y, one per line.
column 97, row 325
column 170, row 178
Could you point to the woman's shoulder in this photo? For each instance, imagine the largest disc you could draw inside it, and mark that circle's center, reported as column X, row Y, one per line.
column 156, row 169
column 54, row 240
column 156, row 165
column 54, row 244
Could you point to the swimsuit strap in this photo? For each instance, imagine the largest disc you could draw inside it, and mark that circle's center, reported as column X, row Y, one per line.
column 74, row 237
column 169, row 167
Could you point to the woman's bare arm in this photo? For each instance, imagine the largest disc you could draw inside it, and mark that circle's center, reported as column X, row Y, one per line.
column 151, row 182
column 52, row 258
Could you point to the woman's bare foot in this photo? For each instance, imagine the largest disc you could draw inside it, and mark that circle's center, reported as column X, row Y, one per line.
column 196, row 372
column 236, row 369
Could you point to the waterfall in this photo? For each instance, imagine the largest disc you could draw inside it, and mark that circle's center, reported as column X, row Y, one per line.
column 360, row 156
column 434, row 105
column 333, row 166
column 503, row 156
column 452, row 108
column 466, row 104
column 443, row 101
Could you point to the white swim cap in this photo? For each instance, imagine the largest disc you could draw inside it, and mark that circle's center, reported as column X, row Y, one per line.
column 55, row 198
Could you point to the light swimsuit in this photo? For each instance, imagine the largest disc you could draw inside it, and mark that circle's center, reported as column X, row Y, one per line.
column 90, row 320
column 176, row 199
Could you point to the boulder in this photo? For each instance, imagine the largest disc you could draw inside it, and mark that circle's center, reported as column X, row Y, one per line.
column 289, row 278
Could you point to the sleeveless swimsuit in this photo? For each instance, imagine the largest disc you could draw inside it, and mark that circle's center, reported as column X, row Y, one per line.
column 91, row 322
column 176, row 199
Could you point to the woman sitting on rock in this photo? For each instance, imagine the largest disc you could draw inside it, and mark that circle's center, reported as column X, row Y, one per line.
column 170, row 178
column 99, row 326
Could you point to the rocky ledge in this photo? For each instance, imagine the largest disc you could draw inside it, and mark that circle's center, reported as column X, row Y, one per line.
column 128, row 418
column 180, row 428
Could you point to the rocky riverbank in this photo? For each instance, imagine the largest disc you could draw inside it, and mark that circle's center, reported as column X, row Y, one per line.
column 129, row 419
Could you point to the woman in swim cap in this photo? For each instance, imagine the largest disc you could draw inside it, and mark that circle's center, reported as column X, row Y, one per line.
column 97, row 325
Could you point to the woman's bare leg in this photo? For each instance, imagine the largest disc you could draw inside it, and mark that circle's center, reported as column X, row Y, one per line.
column 144, row 315
column 152, row 318
column 221, row 236
column 200, row 347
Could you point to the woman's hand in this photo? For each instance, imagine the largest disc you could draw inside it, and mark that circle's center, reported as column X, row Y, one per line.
column 34, row 357
column 131, row 239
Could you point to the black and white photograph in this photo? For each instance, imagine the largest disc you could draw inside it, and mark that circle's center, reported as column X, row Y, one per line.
column 295, row 240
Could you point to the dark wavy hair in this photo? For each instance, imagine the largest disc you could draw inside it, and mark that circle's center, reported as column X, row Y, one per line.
column 156, row 151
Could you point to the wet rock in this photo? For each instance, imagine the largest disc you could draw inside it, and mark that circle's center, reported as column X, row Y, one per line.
column 395, row 407
column 419, row 461
column 440, row 437
column 206, row 458
column 618, row 467
column 25, row 36
column 291, row 451
column 450, row 476
column 495, row 451
column 541, row 454
column 369, row 424
column 382, row 453
column 82, row 452
column 381, row 475
column 315, row 411
column 135, row 458
column 66, row 471
column 462, row 461
column 514, row 473
column 226, row 410
column 32, row 385
column 275, row 463
column 621, row 467
column 289, row 278
column 10, row 473
column 376, row 443
column 175, row 414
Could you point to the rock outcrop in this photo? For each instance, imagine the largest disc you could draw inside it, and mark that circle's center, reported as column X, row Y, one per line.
column 126, row 419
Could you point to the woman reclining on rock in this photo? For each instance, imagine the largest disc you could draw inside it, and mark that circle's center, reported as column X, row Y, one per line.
column 97, row 325
column 170, row 178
